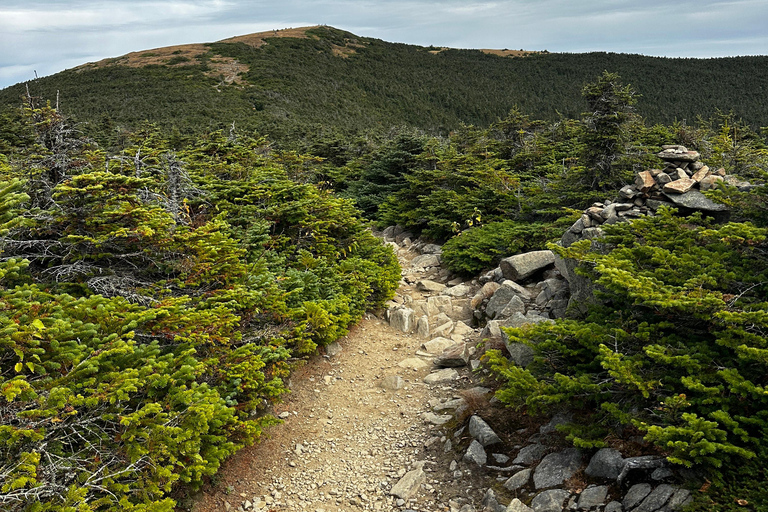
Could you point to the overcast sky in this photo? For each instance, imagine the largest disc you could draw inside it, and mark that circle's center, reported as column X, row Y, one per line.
column 51, row 35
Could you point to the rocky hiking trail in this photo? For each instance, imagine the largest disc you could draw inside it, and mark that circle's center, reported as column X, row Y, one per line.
column 399, row 415
column 358, row 419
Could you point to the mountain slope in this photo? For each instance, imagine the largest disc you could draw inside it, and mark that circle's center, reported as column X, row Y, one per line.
column 289, row 83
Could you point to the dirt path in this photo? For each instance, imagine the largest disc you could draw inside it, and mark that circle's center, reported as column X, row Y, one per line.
column 346, row 440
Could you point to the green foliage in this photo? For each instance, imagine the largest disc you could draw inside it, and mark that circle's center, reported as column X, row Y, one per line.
column 610, row 112
column 675, row 349
column 479, row 248
column 149, row 304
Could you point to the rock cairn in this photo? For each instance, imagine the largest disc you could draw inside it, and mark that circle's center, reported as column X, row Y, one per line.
column 678, row 184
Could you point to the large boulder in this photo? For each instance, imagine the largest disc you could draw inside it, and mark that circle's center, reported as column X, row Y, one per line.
column 522, row 266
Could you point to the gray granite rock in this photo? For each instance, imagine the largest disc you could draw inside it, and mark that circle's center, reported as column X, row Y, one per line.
column 445, row 375
column 550, row 501
column 593, row 496
column 422, row 326
column 614, row 506
column 460, row 290
column 518, row 480
column 522, row 266
column 437, row 345
column 454, row 356
column 476, row 453
column 333, row 349
column 499, row 300
column 530, row 454
column 556, row 468
column 491, row 504
column 635, row 495
column 679, row 499
column 436, row 419
column 606, row 463
column 661, row 474
column 695, row 200
column 656, row 499
column 426, row 260
column 519, row 353
column 402, row 319
column 515, row 305
column 482, row 432
column 425, row 285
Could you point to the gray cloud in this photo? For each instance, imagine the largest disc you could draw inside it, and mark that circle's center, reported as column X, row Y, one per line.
column 48, row 36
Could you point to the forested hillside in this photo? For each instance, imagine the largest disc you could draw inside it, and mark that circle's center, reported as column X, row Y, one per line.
column 317, row 83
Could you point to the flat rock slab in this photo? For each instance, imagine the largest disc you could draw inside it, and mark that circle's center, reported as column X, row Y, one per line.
column 408, row 484
column 635, row 495
column 556, row 468
column 671, row 155
column 518, row 480
column 696, row 201
column 425, row 285
column 482, row 432
column 550, row 501
column 656, row 499
column 446, row 375
column 426, row 260
column 522, row 266
column 593, row 496
column 437, row 345
column 679, row 186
